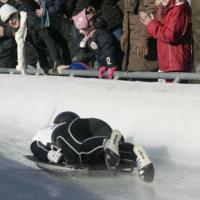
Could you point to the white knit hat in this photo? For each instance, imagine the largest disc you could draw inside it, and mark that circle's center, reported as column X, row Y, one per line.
column 6, row 11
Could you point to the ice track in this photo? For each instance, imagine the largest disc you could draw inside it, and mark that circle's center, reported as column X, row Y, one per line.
column 165, row 118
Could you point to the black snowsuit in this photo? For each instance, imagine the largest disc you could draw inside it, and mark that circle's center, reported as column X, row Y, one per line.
column 82, row 142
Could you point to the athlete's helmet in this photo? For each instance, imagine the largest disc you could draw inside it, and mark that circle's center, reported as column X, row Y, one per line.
column 66, row 116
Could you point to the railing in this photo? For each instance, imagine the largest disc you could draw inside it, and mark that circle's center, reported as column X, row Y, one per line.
column 119, row 75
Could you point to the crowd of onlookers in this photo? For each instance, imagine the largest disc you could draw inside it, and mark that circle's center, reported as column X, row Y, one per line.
column 104, row 35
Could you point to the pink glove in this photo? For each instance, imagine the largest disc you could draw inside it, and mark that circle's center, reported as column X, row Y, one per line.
column 110, row 72
column 102, row 69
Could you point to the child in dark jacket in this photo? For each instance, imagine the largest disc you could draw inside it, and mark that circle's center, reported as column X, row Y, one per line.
column 98, row 40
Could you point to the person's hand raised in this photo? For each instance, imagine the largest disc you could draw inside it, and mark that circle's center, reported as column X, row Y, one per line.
column 145, row 19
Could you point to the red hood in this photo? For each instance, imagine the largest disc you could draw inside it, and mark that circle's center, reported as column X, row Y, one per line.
column 163, row 9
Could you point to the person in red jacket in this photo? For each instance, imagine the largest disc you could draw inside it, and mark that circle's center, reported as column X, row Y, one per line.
column 172, row 27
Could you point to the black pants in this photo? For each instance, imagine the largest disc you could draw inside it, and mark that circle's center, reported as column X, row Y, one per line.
column 66, row 35
column 82, row 142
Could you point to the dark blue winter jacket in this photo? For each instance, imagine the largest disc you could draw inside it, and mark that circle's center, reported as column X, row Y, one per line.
column 104, row 46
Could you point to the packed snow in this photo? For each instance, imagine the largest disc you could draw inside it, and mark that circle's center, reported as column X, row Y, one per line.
column 162, row 117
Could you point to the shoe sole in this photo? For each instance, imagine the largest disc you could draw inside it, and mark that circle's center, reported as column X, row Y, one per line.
column 148, row 174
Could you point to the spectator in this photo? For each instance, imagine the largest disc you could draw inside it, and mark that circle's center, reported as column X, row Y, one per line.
column 98, row 40
column 55, row 13
column 138, row 47
column 26, row 27
column 31, row 54
column 172, row 28
column 110, row 11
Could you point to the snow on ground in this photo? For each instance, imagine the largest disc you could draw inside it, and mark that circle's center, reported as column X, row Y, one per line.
column 162, row 117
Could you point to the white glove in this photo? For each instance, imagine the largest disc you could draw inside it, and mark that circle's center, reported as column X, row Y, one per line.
column 21, row 69
column 54, row 156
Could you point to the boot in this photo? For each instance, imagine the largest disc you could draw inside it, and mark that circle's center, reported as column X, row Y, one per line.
column 111, row 150
column 144, row 164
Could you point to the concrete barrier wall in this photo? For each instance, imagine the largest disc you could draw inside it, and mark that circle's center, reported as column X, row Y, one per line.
column 163, row 117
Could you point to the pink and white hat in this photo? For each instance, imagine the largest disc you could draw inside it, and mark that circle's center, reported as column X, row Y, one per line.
column 83, row 19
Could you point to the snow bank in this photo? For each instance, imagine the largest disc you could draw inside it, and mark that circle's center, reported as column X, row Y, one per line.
column 163, row 117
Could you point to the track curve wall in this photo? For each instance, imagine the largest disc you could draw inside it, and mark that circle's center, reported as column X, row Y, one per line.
column 163, row 117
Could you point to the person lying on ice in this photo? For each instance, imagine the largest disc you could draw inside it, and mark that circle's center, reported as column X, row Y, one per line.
column 88, row 141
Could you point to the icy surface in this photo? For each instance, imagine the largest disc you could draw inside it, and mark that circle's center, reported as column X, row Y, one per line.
column 162, row 117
